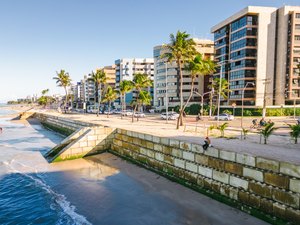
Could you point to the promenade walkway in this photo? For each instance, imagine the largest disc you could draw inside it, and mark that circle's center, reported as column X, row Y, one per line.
column 279, row 147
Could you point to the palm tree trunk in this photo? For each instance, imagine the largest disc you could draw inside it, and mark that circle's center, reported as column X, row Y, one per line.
column 108, row 109
column 136, row 104
column 122, row 105
column 296, row 140
column 100, row 94
column 265, row 140
column 98, row 100
column 191, row 94
column 66, row 99
column 179, row 120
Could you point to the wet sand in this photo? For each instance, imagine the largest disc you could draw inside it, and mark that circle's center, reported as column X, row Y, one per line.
column 109, row 190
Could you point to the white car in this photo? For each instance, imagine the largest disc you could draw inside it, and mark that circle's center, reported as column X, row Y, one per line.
column 126, row 113
column 139, row 115
column 225, row 117
column 171, row 116
column 92, row 109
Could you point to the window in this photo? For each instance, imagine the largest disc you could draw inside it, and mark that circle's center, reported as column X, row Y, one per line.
column 297, row 26
column 297, row 37
column 298, row 15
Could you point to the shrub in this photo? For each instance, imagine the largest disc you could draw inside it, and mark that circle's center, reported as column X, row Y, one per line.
column 247, row 112
column 227, row 111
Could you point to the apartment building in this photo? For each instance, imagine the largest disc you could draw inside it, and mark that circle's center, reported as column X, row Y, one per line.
column 126, row 68
column 110, row 72
column 259, row 45
column 167, row 80
column 287, row 76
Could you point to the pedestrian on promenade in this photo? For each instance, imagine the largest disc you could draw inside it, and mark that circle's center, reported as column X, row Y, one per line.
column 1, row 130
column 207, row 143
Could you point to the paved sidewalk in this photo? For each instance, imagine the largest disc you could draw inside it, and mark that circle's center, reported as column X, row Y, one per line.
column 279, row 147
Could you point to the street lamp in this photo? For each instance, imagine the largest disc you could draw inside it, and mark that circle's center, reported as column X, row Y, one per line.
column 202, row 96
column 167, row 102
column 243, row 101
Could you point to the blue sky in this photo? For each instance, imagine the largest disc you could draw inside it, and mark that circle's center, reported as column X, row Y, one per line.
column 40, row 37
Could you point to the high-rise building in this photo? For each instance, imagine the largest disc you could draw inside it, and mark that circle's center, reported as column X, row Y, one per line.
column 204, row 47
column 287, row 76
column 126, row 68
column 259, row 45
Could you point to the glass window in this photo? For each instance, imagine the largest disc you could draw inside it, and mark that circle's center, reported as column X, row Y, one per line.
column 298, row 15
column 297, row 37
column 297, row 26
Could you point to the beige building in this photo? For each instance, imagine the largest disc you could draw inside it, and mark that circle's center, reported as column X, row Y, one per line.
column 205, row 47
column 260, row 45
column 110, row 72
column 287, row 75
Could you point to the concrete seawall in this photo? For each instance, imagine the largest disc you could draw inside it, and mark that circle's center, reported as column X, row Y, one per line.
column 262, row 184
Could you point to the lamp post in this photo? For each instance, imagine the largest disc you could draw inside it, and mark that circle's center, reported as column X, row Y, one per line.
column 167, row 100
column 202, row 96
column 243, row 101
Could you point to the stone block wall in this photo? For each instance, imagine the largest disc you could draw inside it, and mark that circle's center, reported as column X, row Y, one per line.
column 269, row 186
column 62, row 122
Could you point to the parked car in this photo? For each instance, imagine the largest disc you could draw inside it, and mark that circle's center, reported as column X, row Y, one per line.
column 224, row 116
column 117, row 111
column 171, row 116
column 127, row 113
column 139, row 115
column 106, row 112
column 92, row 109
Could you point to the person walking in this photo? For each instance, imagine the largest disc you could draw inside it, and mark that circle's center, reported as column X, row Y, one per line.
column 207, row 143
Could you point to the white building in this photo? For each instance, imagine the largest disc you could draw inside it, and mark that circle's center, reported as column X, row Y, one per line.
column 126, row 68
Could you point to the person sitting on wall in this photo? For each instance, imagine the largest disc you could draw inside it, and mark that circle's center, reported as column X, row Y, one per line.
column 207, row 143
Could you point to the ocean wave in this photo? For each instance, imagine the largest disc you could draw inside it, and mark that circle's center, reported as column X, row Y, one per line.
column 59, row 199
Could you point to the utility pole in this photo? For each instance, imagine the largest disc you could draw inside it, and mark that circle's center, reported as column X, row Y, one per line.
column 266, row 81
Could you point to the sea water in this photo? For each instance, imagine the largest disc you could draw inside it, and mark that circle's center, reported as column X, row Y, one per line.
column 25, row 197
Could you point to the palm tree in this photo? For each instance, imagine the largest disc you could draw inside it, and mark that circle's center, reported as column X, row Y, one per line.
column 139, row 82
column 99, row 78
column 267, row 131
column 63, row 80
column 143, row 99
column 222, row 128
column 180, row 50
column 198, row 67
column 125, row 87
column 295, row 132
column 224, row 87
column 110, row 96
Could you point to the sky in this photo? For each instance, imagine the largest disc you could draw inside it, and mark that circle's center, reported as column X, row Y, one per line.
column 40, row 37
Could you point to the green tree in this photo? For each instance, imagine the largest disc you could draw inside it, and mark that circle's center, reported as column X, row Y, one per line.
column 125, row 87
column 198, row 67
column 267, row 131
column 180, row 49
column 99, row 78
column 140, row 81
column 144, row 98
column 110, row 96
column 295, row 132
column 224, row 88
column 63, row 80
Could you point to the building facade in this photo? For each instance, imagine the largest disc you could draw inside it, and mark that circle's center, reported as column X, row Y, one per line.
column 168, row 74
column 287, row 86
column 257, row 46
column 125, row 70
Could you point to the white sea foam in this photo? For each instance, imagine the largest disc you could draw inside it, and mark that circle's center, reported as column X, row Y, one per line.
column 58, row 198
